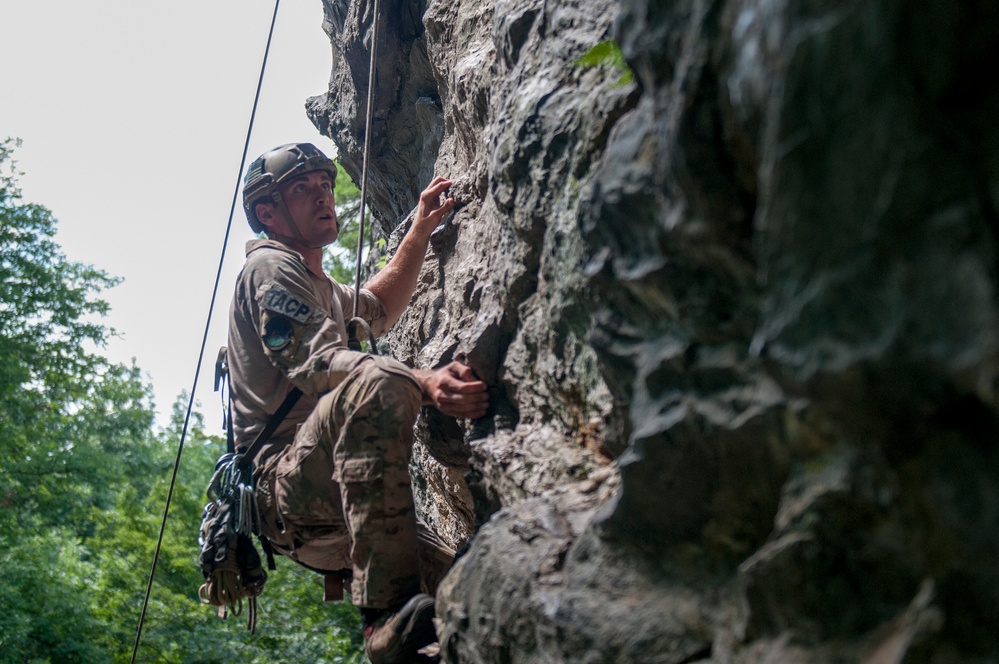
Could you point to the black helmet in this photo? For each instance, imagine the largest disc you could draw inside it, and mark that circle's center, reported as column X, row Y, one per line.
column 276, row 166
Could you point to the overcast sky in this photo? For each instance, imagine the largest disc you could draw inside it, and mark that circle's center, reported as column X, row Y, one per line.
column 133, row 115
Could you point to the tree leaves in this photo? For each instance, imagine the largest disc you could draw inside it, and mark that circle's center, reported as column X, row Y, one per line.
column 340, row 259
column 60, row 403
column 84, row 480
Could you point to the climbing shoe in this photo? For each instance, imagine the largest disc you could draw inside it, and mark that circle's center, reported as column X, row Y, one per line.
column 396, row 636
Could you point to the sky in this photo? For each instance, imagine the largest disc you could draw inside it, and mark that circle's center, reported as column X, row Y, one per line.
column 133, row 115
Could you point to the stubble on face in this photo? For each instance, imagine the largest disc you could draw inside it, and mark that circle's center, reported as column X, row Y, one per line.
column 310, row 201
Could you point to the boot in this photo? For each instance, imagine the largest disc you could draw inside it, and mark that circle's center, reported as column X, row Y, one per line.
column 396, row 636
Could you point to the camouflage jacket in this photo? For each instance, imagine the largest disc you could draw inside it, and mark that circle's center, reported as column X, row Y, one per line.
column 286, row 328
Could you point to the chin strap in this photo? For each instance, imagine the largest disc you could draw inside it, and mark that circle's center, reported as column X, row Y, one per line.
column 279, row 202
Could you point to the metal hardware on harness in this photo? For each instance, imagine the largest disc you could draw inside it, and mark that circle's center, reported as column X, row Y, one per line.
column 353, row 343
column 229, row 560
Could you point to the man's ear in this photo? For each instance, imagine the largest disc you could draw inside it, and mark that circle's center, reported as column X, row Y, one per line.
column 265, row 214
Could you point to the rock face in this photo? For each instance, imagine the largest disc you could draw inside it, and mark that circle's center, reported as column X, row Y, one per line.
column 737, row 302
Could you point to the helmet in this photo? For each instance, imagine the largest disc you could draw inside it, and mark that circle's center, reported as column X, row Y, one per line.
column 275, row 166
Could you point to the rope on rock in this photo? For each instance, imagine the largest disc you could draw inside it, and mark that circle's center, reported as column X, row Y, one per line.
column 352, row 340
column 204, row 342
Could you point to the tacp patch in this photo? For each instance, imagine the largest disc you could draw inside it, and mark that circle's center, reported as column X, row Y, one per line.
column 281, row 302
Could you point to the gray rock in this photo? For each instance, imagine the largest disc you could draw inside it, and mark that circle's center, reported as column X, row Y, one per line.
column 737, row 304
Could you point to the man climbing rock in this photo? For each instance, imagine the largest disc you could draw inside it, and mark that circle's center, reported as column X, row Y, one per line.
column 333, row 482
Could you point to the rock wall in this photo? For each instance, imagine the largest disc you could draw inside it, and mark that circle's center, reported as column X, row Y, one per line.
column 737, row 303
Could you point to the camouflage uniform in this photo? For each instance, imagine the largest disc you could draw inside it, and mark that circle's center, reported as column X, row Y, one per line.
column 333, row 481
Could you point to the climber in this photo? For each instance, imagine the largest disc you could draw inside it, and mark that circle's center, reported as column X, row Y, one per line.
column 333, row 483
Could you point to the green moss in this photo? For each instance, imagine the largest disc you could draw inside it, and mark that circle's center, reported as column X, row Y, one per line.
column 608, row 54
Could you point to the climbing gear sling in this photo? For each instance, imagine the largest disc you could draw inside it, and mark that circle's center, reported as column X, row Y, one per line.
column 229, row 559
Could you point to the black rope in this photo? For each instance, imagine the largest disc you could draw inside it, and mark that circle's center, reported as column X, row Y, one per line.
column 204, row 339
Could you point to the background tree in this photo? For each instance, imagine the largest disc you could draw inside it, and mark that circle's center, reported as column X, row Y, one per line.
column 295, row 625
column 84, row 479
column 73, row 429
column 340, row 259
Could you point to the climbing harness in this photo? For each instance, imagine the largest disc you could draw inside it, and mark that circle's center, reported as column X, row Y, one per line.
column 204, row 342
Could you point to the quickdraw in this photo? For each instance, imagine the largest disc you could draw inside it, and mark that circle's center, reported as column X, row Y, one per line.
column 229, row 560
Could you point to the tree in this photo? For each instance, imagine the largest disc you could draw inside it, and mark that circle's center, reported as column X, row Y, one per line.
column 64, row 408
column 294, row 624
column 74, row 428
column 340, row 259
column 84, row 480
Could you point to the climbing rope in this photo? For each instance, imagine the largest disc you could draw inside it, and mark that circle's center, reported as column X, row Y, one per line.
column 357, row 321
column 204, row 341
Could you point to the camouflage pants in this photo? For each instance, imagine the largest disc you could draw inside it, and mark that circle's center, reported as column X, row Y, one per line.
column 342, row 492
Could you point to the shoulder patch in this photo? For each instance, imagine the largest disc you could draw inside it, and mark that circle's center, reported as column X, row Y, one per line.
column 282, row 302
column 278, row 333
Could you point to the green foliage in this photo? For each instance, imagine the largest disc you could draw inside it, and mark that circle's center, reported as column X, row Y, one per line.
column 380, row 244
column 294, row 624
column 608, row 54
column 44, row 596
column 49, row 382
column 74, row 429
column 340, row 259
column 84, row 480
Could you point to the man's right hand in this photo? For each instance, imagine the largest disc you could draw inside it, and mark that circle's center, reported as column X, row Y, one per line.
column 455, row 390
column 430, row 211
